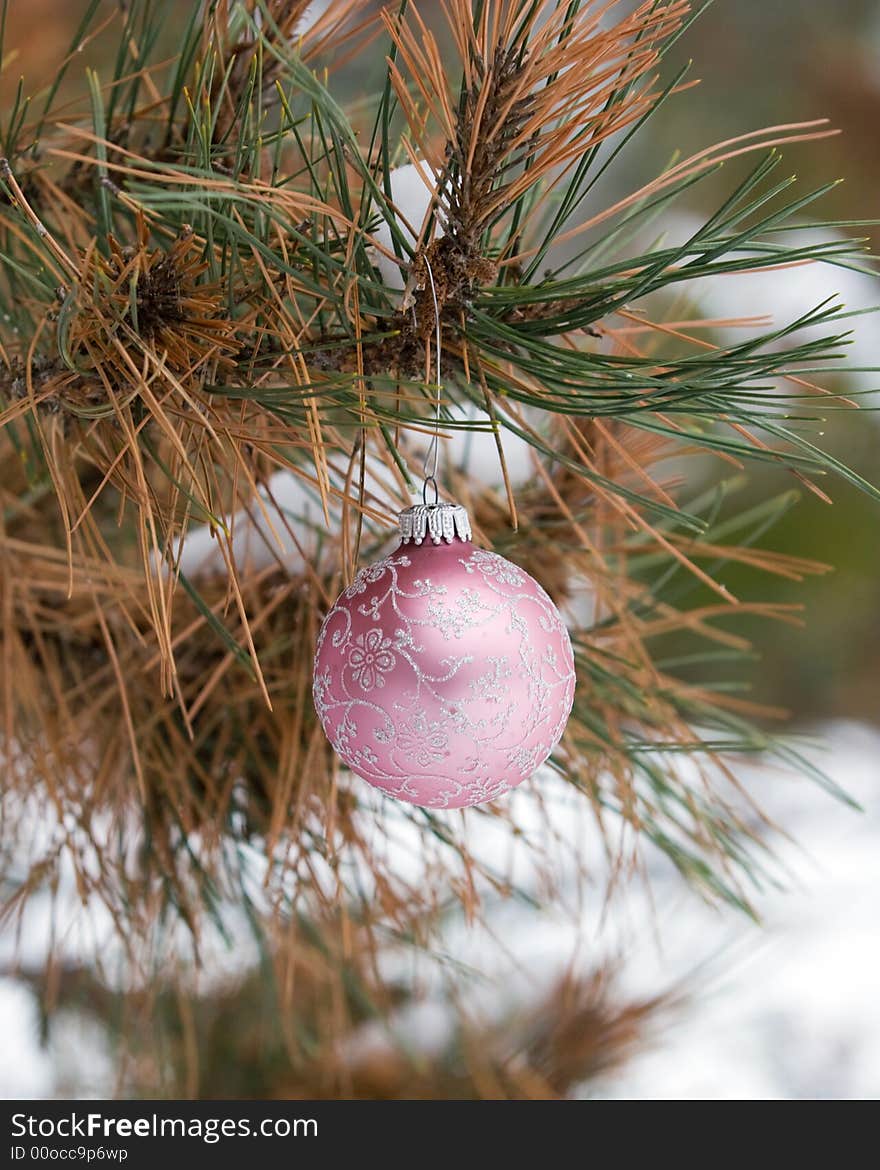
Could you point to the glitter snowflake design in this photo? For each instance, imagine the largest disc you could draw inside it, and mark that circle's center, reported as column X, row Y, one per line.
column 370, row 659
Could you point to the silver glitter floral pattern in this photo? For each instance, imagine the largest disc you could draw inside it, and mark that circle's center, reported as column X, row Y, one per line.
column 444, row 675
column 370, row 659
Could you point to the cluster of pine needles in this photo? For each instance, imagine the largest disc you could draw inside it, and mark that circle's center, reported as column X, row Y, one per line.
column 191, row 303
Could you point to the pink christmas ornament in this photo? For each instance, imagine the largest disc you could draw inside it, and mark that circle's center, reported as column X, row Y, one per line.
column 444, row 674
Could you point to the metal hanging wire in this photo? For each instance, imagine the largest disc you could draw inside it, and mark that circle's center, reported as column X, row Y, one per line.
column 432, row 455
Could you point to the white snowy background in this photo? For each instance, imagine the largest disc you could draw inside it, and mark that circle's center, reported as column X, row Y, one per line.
column 788, row 1009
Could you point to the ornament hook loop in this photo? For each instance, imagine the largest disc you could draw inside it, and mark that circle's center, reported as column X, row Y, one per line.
column 430, row 482
column 432, row 455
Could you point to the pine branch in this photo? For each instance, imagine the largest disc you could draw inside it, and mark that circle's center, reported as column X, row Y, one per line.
column 190, row 304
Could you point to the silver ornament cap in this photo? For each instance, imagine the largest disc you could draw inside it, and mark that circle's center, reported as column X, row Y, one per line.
column 434, row 522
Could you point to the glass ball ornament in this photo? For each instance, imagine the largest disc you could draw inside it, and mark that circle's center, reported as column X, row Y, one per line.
column 444, row 674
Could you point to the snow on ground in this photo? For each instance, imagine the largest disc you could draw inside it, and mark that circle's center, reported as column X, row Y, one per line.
column 791, row 1009
column 785, row 1010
